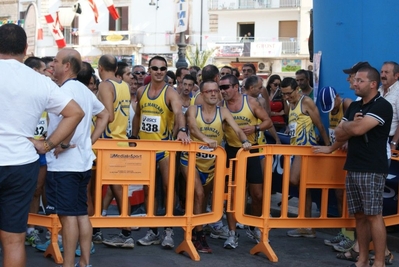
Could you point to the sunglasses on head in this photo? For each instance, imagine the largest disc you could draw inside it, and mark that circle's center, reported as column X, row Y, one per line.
column 139, row 72
column 225, row 86
column 155, row 68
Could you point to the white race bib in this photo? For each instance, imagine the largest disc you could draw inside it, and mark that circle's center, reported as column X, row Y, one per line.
column 150, row 124
column 205, row 155
column 41, row 127
column 292, row 127
column 331, row 133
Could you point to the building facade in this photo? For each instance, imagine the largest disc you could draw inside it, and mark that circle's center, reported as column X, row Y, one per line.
column 273, row 34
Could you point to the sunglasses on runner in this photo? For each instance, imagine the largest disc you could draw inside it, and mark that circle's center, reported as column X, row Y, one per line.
column 155, row 68
column 139, row 72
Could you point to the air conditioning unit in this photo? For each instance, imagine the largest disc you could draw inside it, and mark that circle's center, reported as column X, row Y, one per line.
column 263, row 66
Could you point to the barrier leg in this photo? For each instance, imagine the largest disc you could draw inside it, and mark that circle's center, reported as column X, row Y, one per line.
column 264, row 247
column 188, row 246
column 53, row 249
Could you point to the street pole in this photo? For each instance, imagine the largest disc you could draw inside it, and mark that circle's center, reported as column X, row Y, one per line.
column 181, row 62
column 202, row 6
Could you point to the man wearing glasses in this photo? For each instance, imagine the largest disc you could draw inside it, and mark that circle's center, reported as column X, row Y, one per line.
column 140, row 73
column 302, row 119
column 158, row 105
column 206, row 124
column 246, row 112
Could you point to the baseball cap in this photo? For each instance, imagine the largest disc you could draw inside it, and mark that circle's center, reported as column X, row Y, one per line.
column 356, row 67
column 327, row 98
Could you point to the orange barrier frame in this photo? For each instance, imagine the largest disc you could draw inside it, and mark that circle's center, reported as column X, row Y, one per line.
column 319, row 171
column 121, row 164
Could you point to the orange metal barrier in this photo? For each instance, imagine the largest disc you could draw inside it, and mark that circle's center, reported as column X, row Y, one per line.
column 320, row 171
column 121, row 164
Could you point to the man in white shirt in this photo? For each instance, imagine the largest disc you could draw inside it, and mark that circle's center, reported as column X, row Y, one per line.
column 21, row 106
column 389, row 89
column 69, row 165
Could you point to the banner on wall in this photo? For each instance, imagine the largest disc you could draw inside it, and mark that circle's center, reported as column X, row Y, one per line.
column 266, row 49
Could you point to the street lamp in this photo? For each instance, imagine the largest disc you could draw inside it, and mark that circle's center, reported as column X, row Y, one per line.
column 181, row 27
column 181, row 62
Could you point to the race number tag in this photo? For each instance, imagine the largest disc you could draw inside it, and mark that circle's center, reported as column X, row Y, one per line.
column 41, row 127
column 331, row 133
column 292, row 126
column 205, row 155
column 150, row 124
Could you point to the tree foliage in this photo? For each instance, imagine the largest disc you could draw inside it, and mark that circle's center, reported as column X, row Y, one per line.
column 195, row 57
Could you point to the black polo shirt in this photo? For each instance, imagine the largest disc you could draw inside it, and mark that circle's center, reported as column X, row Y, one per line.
column 368, row 152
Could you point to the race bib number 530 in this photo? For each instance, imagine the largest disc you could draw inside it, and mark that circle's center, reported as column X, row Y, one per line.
column 150, row 124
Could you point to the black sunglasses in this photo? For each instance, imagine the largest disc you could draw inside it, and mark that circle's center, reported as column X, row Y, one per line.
column 225, row 86
column 139, row 72
column 276, row 84
column 155, row 68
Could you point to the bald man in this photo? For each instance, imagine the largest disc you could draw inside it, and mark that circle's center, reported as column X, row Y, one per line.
column 69, row 165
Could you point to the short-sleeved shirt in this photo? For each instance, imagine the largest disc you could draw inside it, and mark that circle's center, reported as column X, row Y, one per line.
column 79, row 158
column 368, row 152
column 25, row 94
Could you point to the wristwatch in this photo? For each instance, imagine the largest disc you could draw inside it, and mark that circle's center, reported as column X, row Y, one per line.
column 182, row 129
column 257, row 128
column 63, row 146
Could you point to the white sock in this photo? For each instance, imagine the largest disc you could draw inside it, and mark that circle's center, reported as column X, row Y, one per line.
column 30, row 230
column 104, row 213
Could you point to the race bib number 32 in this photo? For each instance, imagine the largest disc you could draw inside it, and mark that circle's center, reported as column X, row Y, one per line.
column 150, row 124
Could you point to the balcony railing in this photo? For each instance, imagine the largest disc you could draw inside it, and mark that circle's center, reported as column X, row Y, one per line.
column 289, row 45
column 251, row 4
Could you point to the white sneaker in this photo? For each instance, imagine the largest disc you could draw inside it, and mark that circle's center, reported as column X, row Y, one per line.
column 149, row 239
column 167, row 241
column 222, row 233
column 254, row 234
column 232, row 240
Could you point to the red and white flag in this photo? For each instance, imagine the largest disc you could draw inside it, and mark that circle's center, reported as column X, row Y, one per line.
column 95, row 10
column 55, row 29
column 111, row 8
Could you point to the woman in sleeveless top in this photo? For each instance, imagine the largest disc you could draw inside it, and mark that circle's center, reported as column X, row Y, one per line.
column 277, row 105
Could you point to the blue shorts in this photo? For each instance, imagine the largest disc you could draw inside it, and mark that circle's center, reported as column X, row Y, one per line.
column 66, row 193
column 17, row 186
column 160, row 155
column 42, row 159
column 204, row 177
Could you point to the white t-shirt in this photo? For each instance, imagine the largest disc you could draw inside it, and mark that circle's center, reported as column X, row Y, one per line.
column 79, row 158
column 24, row 95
